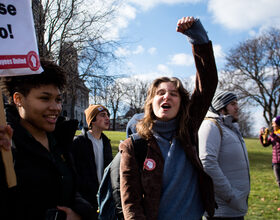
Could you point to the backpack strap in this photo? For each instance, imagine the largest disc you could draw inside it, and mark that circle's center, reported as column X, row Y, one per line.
column 140, row 146
column 140, row 150
column 115, row 184
column 216, row 123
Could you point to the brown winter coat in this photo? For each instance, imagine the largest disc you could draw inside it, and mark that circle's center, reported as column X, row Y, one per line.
column 140, row 193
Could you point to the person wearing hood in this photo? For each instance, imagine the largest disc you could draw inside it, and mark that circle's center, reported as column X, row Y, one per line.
column 224, row 157
column 92, row 152
column 131, row 125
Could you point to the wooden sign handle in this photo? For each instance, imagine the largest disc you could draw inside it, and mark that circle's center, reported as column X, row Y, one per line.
column 7, row 156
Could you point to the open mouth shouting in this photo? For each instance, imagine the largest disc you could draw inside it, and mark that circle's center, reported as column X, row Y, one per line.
column 165, row 106
column 166, row 102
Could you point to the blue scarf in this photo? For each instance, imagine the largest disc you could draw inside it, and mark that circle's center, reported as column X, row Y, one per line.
column 180, row 196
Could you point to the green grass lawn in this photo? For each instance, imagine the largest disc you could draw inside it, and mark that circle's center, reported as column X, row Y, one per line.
column 115, row 137
column 264, row 197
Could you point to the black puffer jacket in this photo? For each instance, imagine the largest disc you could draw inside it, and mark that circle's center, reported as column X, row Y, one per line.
column 83, row 154
column 45, row 178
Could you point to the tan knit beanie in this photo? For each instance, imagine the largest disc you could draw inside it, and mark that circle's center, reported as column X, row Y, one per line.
column 92, row 111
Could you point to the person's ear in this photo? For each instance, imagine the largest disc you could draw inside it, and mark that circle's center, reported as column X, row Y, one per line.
column 222, row 111
column 17, row 97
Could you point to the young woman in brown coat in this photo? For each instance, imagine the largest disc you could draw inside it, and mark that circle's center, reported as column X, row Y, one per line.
column 172, row 183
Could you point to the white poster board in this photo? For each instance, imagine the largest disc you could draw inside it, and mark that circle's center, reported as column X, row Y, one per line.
column 18, row 45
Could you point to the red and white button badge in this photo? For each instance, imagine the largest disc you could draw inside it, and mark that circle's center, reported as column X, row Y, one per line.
column 149, row 164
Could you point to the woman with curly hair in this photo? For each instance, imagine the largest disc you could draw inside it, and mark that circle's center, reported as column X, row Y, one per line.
column 41, row 139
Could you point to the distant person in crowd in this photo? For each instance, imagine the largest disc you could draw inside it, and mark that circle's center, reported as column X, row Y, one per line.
column 273, row 139
column 131, row 125
column 92, row 152
column 172, row 183
column 223, row 154
column 46, row 185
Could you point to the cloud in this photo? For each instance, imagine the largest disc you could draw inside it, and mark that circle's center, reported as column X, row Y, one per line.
column 189, row 82
column 124, row 14
column 127, row 11
column 244, row 15
column 151, row 75
column 124, row 52
column 218, row 52
column 161, row 70
column 149, row 4
column 181, row 59
column 130, row 65
column 164, row 69
column 139, row 50
column 152, row 50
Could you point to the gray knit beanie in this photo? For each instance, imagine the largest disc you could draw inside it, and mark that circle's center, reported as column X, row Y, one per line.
column 222, row 99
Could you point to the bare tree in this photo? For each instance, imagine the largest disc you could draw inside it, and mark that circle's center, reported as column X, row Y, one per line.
column 245, row 122
column 189, row 83
column 63, row 21
column 99, row 91
column 136, row 96
column 72, row 33
column 116, row 93
column 253, row 72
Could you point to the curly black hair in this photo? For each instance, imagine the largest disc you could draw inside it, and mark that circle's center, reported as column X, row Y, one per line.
column 52, row 75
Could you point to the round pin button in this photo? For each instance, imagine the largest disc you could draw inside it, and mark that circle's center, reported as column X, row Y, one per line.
column 149, row 164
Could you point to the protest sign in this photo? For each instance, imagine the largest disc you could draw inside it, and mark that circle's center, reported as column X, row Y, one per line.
column 18, row 45
column 18, row 56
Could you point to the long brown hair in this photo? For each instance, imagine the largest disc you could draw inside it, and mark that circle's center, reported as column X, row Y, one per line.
column 144, row 127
